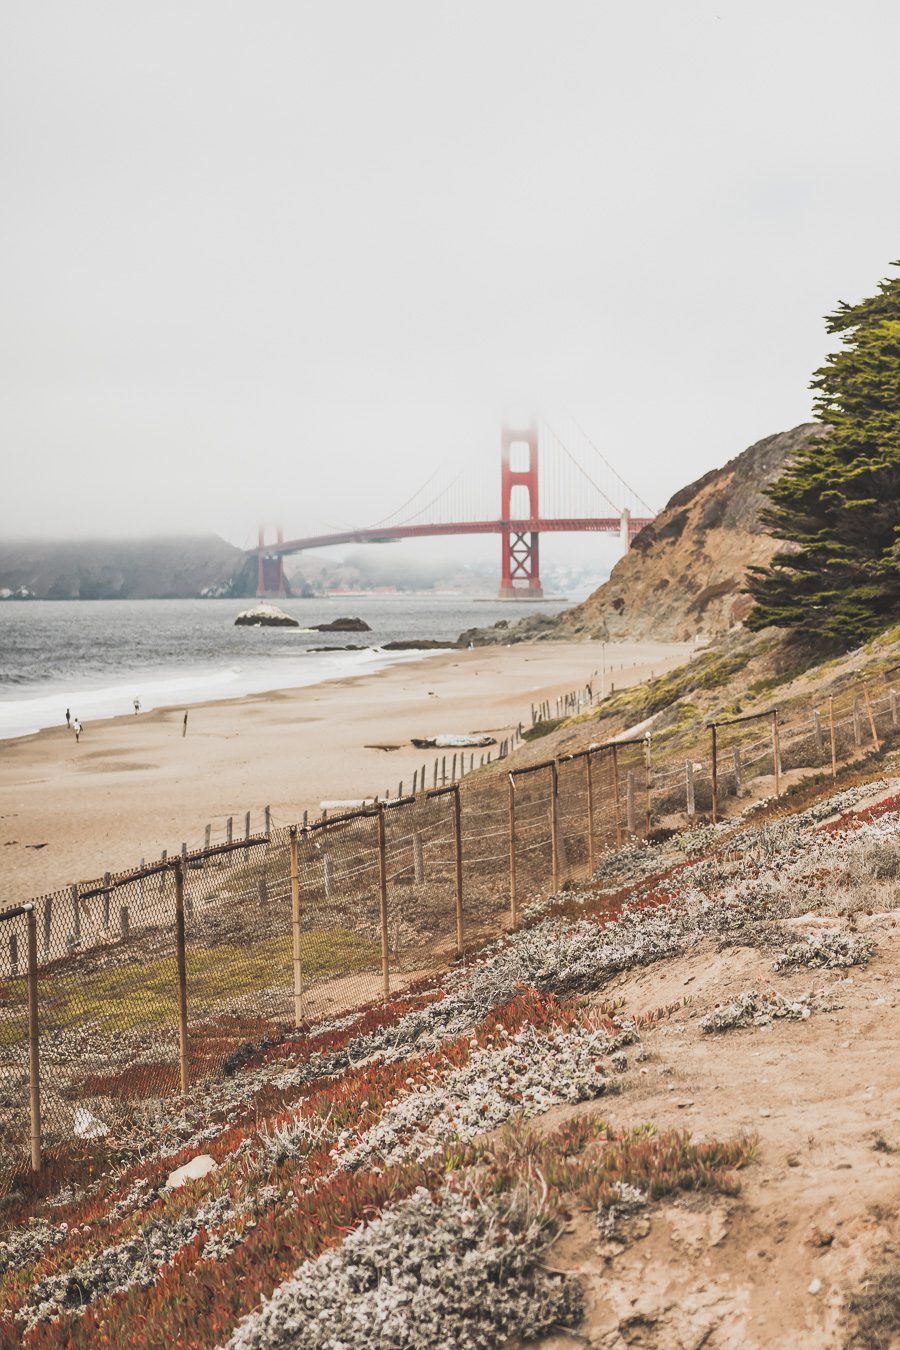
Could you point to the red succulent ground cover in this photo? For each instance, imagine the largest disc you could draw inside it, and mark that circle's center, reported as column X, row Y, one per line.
column 855, row 819
column 196, row 1299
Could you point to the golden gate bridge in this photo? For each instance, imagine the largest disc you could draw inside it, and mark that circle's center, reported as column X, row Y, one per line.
column 547, row 484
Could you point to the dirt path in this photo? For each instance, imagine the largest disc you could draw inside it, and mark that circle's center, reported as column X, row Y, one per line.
column 819, row 1206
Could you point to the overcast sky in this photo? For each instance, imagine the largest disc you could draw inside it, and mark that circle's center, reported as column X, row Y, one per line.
column 279, row 260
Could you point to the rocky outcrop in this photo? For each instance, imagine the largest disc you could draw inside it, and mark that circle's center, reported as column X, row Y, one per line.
column 342, row 626
column 265, row 616
column 684, row 575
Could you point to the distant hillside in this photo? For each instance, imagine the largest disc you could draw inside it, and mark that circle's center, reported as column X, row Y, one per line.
column 125, row 569
column 684, row 574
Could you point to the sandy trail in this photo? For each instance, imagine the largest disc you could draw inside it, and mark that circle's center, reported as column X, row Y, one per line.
column 134, row 785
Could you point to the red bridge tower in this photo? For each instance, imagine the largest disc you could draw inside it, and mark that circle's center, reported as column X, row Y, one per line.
column 270, row 569
column 519, row 556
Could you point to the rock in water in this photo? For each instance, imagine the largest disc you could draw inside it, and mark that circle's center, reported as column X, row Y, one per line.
column 342, row 626
column 266, row 616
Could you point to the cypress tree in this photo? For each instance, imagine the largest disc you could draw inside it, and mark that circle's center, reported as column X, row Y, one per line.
column 838, row 502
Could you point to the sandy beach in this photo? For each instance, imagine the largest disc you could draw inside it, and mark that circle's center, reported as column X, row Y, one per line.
column 135, row 785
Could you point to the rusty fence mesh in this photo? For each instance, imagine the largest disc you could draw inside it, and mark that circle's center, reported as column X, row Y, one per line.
column 532, row 798
column 340, row 957
column 14, row 1074
column 150, row 979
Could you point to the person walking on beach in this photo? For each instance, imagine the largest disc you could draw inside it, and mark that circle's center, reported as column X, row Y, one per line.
column 78, row 729
column 137, row 706
column 68, row 718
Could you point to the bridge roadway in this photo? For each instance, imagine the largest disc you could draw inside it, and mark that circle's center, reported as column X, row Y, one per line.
column 390, row 533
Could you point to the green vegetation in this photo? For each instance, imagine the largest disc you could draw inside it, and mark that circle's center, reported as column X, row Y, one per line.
column 838, row 502
column 709, row 671
column 542, row 728
column 123, row 997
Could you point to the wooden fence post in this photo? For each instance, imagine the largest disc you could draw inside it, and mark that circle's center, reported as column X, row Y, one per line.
column 295, row 930
column 589, row 776
column 776, row 751
column 457, row 831
column 76, row 914
column 513, row 902
column 649, row 744
column 207, row 837
column 715, row 777
column 106, row 902
column 875, row 740
column 616, row 800
column 34, row 1059
column 383, row 906
column 182, row 975
column 268, row 817
column 689, row 786
column 246, row 836
column 554, row 823
column 48, row 925
column 833, row 739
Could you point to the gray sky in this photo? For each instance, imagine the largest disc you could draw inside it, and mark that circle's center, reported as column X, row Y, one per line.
column 280, row 260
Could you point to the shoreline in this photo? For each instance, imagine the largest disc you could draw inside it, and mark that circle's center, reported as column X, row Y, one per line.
column 135, row 785
column 368, row 661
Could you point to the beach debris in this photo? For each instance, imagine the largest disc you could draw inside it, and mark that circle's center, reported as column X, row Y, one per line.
column 265, row 616
column 352, row 804
column 88, row 1126
column 342, row 626
column 191, row 1171
column 453, row 742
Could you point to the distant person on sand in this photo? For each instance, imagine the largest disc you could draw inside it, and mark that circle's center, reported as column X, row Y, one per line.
column 137, row 706
column 68, row 718
column 184, row 726
column 77, row 728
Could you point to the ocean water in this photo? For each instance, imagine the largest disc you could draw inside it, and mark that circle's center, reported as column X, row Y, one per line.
column 96, row 656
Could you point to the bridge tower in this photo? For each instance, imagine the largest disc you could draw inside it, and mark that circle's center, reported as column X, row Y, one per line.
column 269, row 569
column 519, row 560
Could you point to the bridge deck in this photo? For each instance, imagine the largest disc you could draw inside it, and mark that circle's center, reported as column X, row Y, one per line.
column 389, row 534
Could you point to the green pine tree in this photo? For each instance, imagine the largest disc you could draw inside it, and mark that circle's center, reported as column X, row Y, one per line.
column 838, row 502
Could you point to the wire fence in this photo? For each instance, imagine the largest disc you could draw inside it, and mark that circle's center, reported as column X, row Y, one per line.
column 134, row 985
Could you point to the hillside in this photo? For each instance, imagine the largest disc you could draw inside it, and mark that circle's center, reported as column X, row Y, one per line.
column 684, row 575
column 663, row 1113
column 124, row 569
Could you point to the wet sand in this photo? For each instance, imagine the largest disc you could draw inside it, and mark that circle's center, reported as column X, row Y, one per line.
column 134, row 785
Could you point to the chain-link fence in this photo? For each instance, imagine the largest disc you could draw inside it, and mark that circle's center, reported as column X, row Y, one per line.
column 130, row 987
